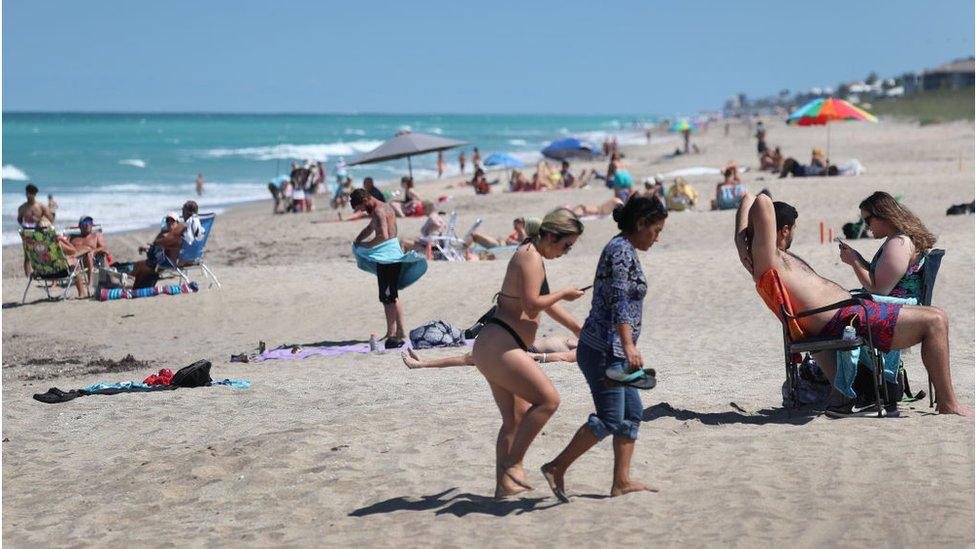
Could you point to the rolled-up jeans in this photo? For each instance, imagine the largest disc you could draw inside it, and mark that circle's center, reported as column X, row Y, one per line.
column 618, row 409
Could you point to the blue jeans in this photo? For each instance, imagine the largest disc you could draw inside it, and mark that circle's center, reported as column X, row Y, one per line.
column 618, row 409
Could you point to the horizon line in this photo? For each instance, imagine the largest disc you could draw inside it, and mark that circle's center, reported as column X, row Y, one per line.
column 327, row 113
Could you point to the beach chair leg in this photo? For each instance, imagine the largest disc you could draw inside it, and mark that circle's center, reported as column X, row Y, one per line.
column 931, row 395
column 30, row 280
column 879, row 384
column 210, row 276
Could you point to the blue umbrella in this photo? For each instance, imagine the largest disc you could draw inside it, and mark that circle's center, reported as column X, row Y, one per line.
column 570, row 147
column 504, row 160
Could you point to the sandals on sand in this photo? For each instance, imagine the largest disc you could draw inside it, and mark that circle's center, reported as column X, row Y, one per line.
column 639, row 379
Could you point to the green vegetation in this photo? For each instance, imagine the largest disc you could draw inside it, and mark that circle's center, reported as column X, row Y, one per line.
column 930, row 107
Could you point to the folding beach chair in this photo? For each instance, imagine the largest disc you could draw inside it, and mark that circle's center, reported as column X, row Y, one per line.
column 930, row 270
column 191, row 255
column 48, row 263
column 450, row 246
column 796, row 342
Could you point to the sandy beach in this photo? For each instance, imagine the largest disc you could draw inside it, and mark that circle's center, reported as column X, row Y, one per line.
column 359, row 450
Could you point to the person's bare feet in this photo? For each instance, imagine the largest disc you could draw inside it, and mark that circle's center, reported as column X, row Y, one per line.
column 508, row 484
column 555, row 478
column 632, row 486
column 516, row 473
column 954, row 408
column 410, row 358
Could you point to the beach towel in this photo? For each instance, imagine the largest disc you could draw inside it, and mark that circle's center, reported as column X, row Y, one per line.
column 773, row 293
column 292, row 352
column 385, row 253
column 55, row 395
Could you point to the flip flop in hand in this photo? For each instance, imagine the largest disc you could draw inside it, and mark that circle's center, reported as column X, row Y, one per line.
column 639, row 379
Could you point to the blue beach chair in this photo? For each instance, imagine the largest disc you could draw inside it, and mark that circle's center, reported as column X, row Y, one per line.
column 191, row 255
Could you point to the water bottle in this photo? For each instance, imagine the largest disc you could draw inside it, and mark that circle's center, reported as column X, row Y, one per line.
column 373, row 344
column 849, row 333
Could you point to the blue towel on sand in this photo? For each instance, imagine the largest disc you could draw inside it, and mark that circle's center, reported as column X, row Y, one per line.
column 414, row 264
column 847, row 361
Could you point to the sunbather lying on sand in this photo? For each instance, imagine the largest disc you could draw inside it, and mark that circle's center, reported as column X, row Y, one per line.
column 522, row 225
column 549, row 349
column 602, row 210
column 763, row 234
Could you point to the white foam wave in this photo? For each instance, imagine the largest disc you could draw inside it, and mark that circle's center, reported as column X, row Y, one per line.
column 518, row 142
column 436, row 131
column 13, row 173
column 288, row 151
column 354, row 131
column 135, row 162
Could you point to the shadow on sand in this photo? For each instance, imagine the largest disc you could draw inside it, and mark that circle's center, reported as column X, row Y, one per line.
column 765, row 416
column 459, row 504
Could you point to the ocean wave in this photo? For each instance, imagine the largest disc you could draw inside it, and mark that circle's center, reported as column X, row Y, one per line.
column 288, row 151
column 354, row 131
column 518, row 142
column 436, row 131
column 13, row 173
column 135, row 162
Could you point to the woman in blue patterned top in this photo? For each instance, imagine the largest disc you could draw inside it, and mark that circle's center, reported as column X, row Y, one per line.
column 609, row 340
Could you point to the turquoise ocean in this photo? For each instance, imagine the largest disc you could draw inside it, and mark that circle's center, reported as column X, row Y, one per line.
column 127, row 170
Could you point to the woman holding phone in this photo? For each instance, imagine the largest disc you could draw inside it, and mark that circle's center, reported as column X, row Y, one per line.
column 524, row 394
column 608, row 342
column 896, row 269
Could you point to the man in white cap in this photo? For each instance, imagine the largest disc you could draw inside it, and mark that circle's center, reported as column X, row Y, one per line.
column 164, row 251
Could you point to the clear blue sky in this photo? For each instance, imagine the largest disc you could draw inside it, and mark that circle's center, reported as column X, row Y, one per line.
column 452, row 56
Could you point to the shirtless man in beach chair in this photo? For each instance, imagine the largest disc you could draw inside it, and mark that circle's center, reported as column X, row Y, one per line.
column 763, row 234
column 165, row 246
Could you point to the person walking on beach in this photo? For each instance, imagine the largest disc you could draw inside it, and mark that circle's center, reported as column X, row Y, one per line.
column 199, row 184
column 609, row 341
column 524, row 394
column 440, row 164
column 382, row 254
column 461, row 160
column 475, row 159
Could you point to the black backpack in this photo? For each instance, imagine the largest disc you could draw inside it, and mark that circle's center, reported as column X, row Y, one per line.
column 194, row 375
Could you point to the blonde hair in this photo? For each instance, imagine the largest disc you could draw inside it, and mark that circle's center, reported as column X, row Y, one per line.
column 532, row 225
column 884, row 206
column 559, row 223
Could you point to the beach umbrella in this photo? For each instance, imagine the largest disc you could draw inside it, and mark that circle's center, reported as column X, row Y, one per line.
column 683, row 125
column 822, row 111
column 503, row 160
column 570, row 147
column 405, row 145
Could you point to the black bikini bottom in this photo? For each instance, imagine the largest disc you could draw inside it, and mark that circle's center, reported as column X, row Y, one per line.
column 504, row 325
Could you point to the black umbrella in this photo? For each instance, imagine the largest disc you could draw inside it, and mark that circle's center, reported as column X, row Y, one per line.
column 406, row 144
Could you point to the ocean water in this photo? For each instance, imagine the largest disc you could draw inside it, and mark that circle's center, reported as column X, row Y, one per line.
column 127, row 170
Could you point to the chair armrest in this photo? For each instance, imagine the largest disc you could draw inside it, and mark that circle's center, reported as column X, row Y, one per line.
column 831, row 307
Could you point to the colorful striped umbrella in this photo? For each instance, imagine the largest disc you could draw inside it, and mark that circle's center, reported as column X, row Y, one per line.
column 820, row 112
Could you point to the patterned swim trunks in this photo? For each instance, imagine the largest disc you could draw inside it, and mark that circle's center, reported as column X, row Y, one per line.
column 881, row 316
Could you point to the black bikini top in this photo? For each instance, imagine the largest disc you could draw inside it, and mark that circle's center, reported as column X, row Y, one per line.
column 543, row 290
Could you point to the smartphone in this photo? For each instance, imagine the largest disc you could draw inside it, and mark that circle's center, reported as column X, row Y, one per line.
column 841, row 242
column 583, row 289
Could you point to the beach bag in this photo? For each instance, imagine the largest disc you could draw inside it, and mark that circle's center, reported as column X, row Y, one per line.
column 194, row 375
column 812, row 386
column 436, row 333
column 108, row 280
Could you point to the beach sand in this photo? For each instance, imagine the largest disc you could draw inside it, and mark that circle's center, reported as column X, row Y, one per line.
column 359, row 450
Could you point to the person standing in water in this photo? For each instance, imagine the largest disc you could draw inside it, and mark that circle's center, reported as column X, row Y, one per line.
column 440, row 164
column 609, row 341
column 461, row 160
column 199, row 184
column 524, row 394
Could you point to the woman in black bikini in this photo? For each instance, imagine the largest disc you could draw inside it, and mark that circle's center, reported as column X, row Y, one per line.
column 523, row 392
